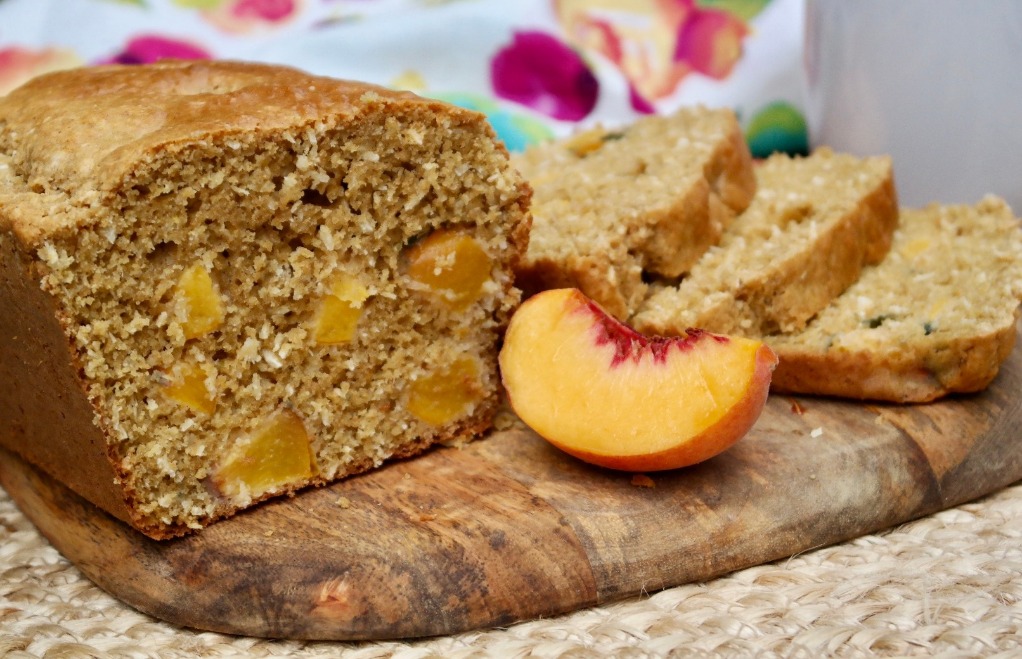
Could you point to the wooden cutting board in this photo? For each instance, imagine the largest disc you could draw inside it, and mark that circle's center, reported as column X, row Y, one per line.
column 509, row 529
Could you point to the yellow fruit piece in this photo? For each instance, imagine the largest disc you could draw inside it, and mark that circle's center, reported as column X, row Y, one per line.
column 340, row 311
column 199, row 303
column 336, row 322
column 452, row 264
column 275, row 455
column 447, row 393
column 586, row 142
column 187, row 387
column 347, row 288
column 938, row 306
column 914, row 248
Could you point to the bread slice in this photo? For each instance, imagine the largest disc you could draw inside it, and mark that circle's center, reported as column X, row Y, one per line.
column 937, row 316
column 221, row 282
column 812, row 226
column 611, row 205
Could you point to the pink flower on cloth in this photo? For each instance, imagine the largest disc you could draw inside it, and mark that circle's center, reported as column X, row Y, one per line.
column 656, row 43
column 19, row 65
column 242, row 16
column 151, row 48
column 540, row 72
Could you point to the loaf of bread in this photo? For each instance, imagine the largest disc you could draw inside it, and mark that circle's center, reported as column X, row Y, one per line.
column 221, row 282
column 937, row 316
column 613, row 207
column 812, row 226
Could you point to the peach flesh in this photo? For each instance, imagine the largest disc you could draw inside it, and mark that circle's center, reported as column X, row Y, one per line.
column 203, row 310
column 446, row 394
column 188, row 387
column 452, row 264
column 610, row 396
column 275, row 455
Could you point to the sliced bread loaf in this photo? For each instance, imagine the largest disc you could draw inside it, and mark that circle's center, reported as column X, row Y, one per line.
column 938, row 315
column 222, row 282
column 812, row 226
column 609, row 205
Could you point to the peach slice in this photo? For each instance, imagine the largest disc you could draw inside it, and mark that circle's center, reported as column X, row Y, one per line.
column 610, row 396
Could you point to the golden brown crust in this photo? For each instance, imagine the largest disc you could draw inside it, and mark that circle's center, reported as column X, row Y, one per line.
column 52, row 422
column 911, row 374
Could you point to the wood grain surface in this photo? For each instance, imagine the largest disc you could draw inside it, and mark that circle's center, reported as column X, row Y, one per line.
column 510, row 529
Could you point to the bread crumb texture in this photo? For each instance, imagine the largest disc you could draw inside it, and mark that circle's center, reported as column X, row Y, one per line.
column 938, row 315
column 267, row 279
column 812, row 226
column 614, row 207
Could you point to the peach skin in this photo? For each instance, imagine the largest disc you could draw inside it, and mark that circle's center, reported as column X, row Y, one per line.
column 610, row 396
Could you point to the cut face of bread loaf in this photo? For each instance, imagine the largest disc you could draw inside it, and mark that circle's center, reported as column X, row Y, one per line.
column 220, row 282
column 938, row 315
column 613, row 205
column 812, row 226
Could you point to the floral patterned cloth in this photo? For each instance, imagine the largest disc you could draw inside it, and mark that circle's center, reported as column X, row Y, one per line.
column 537, row 68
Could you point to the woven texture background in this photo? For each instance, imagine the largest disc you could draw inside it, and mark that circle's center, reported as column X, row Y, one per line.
column 949, row 585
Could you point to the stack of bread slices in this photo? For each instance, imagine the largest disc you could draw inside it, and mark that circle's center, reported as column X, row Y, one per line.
column 859, row 298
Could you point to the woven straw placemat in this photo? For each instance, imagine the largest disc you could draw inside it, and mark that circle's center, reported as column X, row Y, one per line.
column 948, row 585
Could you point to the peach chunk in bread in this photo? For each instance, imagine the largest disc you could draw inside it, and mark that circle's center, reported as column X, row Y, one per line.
column 446, row 394
column 451, row 265
column 610, row 396
column 198, row 302
column 187, row 385
column 340, row 310
column 275, row 457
